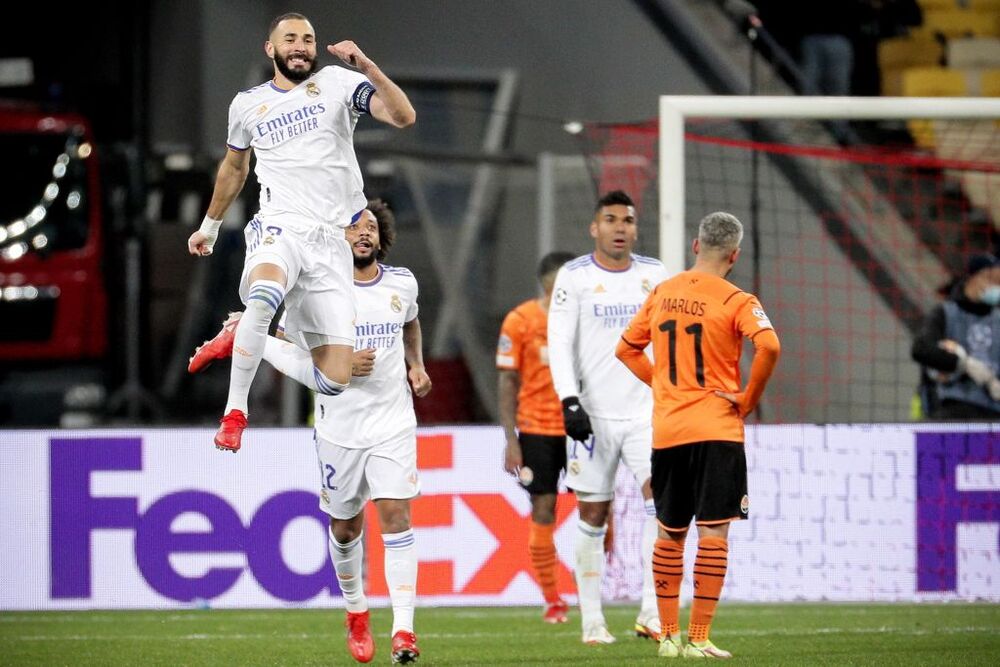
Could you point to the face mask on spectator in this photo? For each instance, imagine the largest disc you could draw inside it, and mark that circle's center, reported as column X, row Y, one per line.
column 991, row 295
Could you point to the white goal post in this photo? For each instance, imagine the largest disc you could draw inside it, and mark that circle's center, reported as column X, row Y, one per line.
column 675, row 109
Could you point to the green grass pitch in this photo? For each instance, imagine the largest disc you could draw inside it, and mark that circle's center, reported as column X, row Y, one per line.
column 766, row 634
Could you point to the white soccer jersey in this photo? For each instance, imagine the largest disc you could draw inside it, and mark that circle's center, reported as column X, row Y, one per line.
column 379, row 407
column 590, row 308
column 303, row 139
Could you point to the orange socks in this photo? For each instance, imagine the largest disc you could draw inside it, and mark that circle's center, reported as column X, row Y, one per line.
column 709, row 574
column 543, row 559
column 668, row 570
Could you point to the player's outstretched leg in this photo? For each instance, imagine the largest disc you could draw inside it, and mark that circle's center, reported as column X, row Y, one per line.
column 219, row 347
column 263, row 300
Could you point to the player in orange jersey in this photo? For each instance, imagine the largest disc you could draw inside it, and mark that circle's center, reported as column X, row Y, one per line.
column 697, row 321
column 531, row 415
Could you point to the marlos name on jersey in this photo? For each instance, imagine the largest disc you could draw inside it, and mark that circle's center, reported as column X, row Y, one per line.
column 684, row 306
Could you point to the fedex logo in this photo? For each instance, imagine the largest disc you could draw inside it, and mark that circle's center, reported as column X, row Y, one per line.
column 76, row 514
column 467, row 543
column 942, row 504
column 471, row 540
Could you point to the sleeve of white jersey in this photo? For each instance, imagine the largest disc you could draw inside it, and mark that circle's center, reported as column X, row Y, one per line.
column 239, row 138
column 355, row 90
column 413, row 310
column 564, row 312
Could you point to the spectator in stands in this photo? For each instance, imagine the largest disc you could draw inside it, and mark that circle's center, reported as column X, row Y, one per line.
column 827, row 52
column 959, row 346
column 879, row 19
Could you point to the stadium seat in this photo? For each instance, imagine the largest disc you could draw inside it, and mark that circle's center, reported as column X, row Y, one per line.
column 979, row 52
column 937, row 5
column 931, row 82
column 909, row 51
column 960, row 23
column 983, row 5
column 989, row 84
column 895, row 55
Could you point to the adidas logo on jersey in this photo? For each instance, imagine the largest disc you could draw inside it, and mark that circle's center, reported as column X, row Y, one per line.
column 599, row 289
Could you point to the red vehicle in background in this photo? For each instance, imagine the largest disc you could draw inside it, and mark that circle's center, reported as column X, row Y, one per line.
column 53, row 301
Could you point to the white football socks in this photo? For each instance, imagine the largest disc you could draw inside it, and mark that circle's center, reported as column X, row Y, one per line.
column 590, row 571
column 348, row 563
column 401, row 577
column 248, row 345
column 649, row 531
column 291, row 360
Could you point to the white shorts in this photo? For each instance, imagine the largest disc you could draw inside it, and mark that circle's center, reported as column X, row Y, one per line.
column 319, row 266
column 591, row 466
column 349, row 477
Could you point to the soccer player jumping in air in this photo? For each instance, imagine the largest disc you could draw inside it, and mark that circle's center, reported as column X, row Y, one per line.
column 697, row 321
column 300, row 125
column 366, row 438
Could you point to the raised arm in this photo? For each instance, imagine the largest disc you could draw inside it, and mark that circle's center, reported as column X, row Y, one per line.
column 229, row 181
column 389, row 104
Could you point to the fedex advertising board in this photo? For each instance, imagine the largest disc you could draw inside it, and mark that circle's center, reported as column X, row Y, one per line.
column 158, row 518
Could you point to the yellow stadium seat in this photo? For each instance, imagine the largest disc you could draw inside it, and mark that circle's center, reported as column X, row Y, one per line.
column 937, row 5
column 933, row 82
column 989, row 84
column 930, row 82
column 979, row 52
column 908, row 52
column 961, row 23
column 983, row 5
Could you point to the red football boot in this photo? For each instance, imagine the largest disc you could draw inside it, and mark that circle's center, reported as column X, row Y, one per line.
column 227, row 438
column 404, row 647
column 359, row 636
column 555, row 612
column 220, row 347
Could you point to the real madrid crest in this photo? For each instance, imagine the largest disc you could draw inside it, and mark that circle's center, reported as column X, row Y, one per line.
column 268, row 240
column 396, row 304
column 646, row 287
column 312, row 90
column 574, row 468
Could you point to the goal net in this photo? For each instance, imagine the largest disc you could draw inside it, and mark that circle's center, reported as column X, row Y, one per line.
column 847, row 248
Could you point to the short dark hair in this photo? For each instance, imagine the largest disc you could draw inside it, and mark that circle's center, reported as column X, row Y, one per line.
column 386, row 226
column 552, row 262
column 614, row 198
column 284, row 17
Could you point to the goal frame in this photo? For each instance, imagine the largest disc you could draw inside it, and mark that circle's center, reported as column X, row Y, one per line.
column 676, row 109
